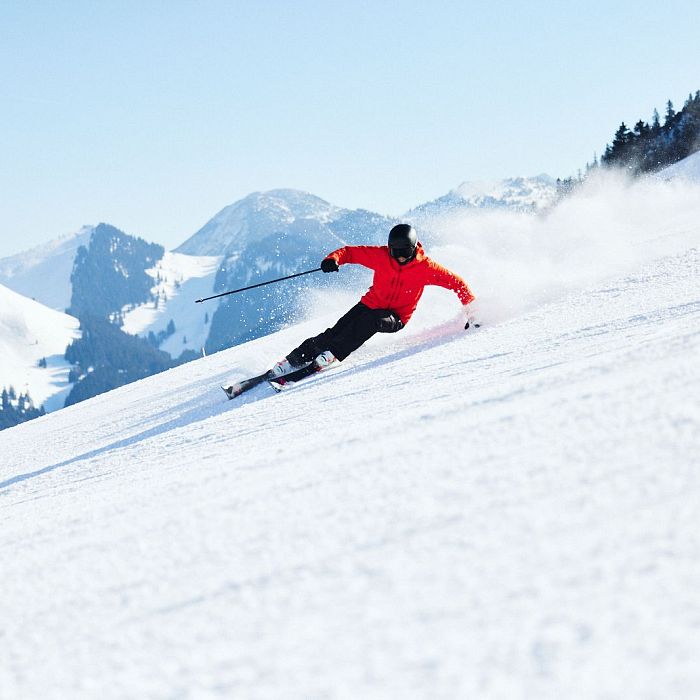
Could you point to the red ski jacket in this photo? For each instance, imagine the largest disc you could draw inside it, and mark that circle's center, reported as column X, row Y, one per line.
column 399, row 287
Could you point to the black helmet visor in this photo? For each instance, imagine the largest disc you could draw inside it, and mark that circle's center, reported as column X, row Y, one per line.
column 401, row 251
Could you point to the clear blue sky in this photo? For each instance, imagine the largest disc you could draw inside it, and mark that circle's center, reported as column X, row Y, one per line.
column 152, row 115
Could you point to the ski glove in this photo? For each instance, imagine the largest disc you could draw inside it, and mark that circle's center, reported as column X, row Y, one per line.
column 329, row 265
column 471, row 316
column 388, row 321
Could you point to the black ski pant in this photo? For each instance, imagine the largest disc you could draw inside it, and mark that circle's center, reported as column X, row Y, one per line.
column 353, row 329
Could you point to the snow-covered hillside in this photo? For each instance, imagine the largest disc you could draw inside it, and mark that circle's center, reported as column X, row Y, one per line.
column 686, row 169
column 43, row 273
column 506, row 513
column 29, row 333
column 178, row 280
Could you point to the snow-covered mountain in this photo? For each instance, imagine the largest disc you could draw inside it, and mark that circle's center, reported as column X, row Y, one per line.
column 111, row 268
column 43, row 272
column 254, row 217
column 504, row 513
column 522, row 194
column 31, row 336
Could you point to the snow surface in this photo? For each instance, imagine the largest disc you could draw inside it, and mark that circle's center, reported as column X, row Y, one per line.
column 506, row 513
column 30, row 332
column 43, row 272
column 687, row 169
column 179, row 280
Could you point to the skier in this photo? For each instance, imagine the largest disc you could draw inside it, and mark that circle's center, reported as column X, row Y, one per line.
column 401, row 272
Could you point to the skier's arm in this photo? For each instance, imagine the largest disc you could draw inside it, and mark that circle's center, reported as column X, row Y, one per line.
column 367, row 255
column 442, row 277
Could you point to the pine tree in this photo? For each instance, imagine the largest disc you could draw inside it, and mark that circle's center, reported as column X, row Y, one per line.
column 670, row 115
column 641, row 129
column 650, row 147
column 617, row 153
column 622, row 136
column 11, row 414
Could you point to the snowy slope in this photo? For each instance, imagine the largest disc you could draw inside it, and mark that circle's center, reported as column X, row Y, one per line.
column 178, row 280
column 686, row 169
column 30, row 332
column 43, row 273
column 507, row 513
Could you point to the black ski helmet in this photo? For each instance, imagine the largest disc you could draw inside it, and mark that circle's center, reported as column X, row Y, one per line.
column 402, row 242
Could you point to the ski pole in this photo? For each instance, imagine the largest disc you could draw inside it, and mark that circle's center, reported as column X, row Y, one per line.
column 260, row 284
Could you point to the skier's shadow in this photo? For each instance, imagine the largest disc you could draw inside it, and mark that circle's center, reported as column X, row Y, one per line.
column 427, row 339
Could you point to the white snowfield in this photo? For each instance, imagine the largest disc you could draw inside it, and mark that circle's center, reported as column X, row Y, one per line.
column 509, row 512
column 178, row 280
column 686, row 169
column 29, row 333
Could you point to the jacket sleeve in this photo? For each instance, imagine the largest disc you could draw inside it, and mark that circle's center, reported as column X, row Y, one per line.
column 442, row 277
column 368, row 255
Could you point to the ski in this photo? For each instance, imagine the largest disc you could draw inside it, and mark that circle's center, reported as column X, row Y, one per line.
column 246, row 385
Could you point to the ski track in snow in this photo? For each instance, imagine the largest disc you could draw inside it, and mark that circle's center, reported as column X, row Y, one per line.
column 510, row 512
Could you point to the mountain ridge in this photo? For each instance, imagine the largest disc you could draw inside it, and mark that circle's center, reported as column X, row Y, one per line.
column 255, row 215
column 43, row 271
column 519, row 194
